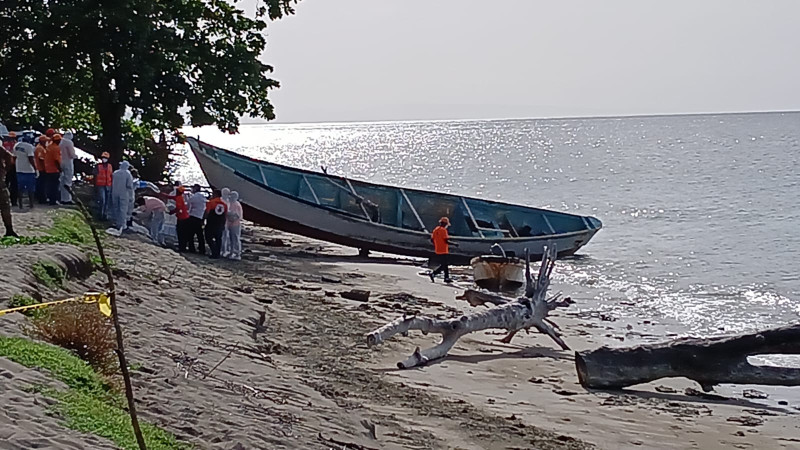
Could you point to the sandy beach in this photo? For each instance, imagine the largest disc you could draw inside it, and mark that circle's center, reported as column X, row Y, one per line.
column 306, row 379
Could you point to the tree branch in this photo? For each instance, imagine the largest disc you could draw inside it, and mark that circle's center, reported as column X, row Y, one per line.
column 512, row 315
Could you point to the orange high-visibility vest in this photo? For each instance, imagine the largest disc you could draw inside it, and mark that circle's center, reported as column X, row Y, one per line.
column 104, row 171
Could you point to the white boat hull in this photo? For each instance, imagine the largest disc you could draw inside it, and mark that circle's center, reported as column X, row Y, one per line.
column 272, row 208
column 498, row 273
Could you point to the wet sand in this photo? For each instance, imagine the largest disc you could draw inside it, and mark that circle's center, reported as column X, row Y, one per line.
column 307, row 380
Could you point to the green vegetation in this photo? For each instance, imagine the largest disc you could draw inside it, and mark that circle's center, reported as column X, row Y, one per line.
column 49, row 274
column 19, row 300
column 68, row 228
column 130, row 72
column 97, row 262
column 90, row 404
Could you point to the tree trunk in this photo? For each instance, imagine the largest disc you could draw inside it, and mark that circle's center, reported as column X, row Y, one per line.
column 706, row 361
column 513, row 315
column 111, row 121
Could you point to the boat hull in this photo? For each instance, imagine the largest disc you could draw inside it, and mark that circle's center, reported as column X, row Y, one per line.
column 268, row 207
column 498, row 273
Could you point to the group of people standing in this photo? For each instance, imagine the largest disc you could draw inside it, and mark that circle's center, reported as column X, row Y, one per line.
column 216, row 221
column 41, row 172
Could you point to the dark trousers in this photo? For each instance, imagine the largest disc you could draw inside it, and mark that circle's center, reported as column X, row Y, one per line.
column 53, row 185
column 443, row 262
column 182, row 230
column 11, row 182
column 41, row 188
column 196, row 230
column 214, row 239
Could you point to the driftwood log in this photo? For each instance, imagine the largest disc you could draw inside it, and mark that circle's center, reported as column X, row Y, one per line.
column 709, row 362
column 525, row 312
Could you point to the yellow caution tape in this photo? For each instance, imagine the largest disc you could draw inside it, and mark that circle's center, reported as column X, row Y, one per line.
column 101, row 298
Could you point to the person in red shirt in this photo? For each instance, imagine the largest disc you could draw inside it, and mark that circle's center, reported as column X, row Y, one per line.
column 52, row 169
column 441, row 246
column 215, row 216
column 181, row 212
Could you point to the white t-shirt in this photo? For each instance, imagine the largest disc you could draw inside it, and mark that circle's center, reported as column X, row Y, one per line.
column 197, row 205
column 22, row 150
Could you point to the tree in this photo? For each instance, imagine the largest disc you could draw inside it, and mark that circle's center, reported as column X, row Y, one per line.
column 131, row 72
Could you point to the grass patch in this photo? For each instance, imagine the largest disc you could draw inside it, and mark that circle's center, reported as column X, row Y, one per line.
column 19, row 300
column 89, row 404
column 49, row 274
column 97, row 262
column 68, row 228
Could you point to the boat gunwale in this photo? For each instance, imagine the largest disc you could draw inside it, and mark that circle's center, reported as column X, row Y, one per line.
column 420, row 191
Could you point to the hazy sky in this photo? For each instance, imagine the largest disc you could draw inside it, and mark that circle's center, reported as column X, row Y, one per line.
column 352, row 60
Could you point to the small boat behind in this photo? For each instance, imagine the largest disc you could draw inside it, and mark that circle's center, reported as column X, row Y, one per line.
column 498, row 272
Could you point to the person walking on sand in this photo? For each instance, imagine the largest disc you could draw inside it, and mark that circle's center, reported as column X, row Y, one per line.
column 156, row 210
column 197, row 210
column 215, row 215
column 52, row 169
column 233, row 227
column 441, row 246
column 38, row 158
column 26, row 171
column 103, row 173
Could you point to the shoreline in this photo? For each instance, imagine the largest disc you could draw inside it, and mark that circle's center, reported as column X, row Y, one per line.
column 309, row 381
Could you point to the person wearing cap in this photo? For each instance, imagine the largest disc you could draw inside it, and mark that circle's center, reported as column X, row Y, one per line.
column 26, row 171
column 38, row 159
column 52, row 169
column 441, row 246
column 67, row 167
column 103, row 172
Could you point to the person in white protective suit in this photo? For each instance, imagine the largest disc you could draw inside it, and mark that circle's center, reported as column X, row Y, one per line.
column 67, row 167
column 233, row 226
column 225, row 240
column 122, row 194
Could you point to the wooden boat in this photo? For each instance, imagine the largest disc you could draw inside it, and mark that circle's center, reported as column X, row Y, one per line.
column 498, row 273
column 382, row 218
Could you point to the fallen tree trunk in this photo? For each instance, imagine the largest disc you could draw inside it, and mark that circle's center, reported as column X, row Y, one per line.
column 513, row 315
column 709, row 362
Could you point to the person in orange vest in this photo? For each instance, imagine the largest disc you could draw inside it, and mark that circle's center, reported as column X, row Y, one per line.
column 52, row 169
column 441, row 246
column 38, row 159
column 102, row 183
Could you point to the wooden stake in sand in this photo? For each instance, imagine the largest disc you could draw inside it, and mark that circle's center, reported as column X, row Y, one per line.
column 123, row 364
column 525, row 312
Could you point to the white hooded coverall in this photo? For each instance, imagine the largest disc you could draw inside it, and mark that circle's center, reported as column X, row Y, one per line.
column 233, row 226
column 122, row 194
column 67, row 166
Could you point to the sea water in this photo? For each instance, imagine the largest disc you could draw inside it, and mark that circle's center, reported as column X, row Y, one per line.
column 701, row 213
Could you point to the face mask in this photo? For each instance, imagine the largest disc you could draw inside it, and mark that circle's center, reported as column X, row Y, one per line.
column 105, row 160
